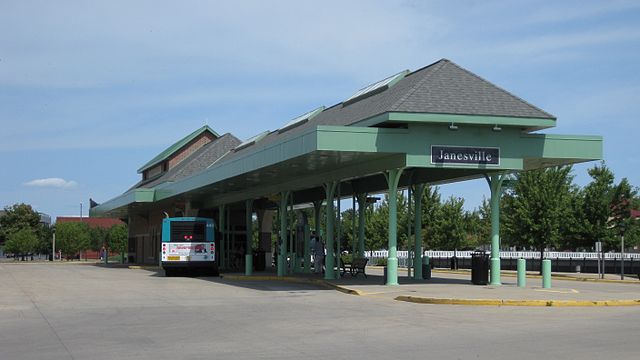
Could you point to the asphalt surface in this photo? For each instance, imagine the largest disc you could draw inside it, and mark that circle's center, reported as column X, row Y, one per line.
column 60, row 311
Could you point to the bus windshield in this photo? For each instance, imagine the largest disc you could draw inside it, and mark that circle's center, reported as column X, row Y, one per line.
column 188, row 231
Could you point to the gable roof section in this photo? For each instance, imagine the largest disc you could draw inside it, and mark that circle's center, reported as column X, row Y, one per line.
column 196, row 162
column 440, row 88
column 446, row 88
column 176, row 146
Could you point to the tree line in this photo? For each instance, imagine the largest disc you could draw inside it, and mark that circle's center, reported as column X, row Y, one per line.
column 22, row 233
column 544, row 209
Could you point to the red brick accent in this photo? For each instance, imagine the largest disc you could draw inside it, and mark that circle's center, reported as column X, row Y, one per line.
column 190, row 148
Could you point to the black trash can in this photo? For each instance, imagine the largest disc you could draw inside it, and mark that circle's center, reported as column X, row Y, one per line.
column 426, row 268
column 426, row 271
column 384, row 276
column 259, row 263
column 479, row 268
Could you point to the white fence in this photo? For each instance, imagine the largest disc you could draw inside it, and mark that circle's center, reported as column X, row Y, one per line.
column 506, row 254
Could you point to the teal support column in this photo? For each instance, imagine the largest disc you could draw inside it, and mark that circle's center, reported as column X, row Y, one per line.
column 221, row 226
column 292, row 253
column 393, row 177
column 546, row 274
column 330, row 190
column 418, row 191
column 339, row 234
column 317, row 212
column 362, row 206
column 307, row 253
column 409, row 230
column 248, row 257
column 282, row 248
column 522, row 272
column 354, row 238
column 495, row 183
column 227, row 238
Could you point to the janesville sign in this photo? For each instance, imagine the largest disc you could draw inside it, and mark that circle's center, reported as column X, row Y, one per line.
column 465, row 155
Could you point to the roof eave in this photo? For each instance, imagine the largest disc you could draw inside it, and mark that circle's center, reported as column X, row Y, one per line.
column 122, row 201
column 528, row 124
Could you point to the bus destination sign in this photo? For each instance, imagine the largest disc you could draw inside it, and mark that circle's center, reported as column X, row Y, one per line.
column 472, row 155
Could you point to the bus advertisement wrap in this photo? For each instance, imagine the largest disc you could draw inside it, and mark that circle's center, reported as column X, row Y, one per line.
column 188, row 251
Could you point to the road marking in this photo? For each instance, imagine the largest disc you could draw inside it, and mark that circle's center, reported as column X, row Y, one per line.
column 567, row 291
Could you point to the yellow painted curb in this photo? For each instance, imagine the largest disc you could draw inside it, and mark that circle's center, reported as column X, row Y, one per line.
column 501, row 302
column 553, row 276
column 143, row 267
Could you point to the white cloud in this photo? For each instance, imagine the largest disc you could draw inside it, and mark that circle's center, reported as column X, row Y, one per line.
column 52, row 182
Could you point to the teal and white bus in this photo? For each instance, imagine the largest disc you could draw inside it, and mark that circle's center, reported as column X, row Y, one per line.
column 188, row 244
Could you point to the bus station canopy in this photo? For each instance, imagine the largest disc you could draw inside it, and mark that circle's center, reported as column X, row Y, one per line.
column 438, row 123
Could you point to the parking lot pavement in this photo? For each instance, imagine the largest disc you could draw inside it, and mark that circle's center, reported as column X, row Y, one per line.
column 92, row 312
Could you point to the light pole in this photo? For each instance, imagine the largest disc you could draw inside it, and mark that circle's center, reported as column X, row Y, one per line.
column 622, row 251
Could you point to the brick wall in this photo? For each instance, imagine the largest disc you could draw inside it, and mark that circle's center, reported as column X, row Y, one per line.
column 190, row 148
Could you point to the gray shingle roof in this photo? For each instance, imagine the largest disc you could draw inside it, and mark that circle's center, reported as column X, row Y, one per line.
column 445, row 87
column 442, row 88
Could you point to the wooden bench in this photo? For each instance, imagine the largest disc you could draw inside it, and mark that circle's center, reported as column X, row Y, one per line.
column 356, row 267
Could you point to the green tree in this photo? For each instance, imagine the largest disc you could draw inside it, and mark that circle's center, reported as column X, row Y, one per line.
column 72, row 238
column 117, row 239
column 450, row 226
column 430, row 211
column 537, row 207
column 17, row 217
column 98, row 238
column 45, row 236
column 620, row 222
column 597, row 199
column 22, row 242
column 377, row 225
column 475, row 229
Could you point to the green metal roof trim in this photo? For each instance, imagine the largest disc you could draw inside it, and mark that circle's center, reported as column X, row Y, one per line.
column 527, row 123
column 177, row 146
column 130, row 197
column 378, row 140
column 412, row 145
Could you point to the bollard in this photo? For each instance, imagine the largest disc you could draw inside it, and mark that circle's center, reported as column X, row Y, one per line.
column 248, row 264
column 546, row 274
column 522, row 272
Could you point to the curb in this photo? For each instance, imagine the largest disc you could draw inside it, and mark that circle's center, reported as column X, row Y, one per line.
column 442, row 301
column 143, row 267
column 553, row 276
column 56, row 263
column 505, row 302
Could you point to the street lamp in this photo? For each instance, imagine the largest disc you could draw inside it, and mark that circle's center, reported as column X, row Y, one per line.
column 622, row 228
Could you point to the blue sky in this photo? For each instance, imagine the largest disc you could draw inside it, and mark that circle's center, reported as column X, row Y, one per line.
column 90, row 91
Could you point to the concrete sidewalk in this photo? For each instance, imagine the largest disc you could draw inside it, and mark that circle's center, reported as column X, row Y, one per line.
column 446, row 287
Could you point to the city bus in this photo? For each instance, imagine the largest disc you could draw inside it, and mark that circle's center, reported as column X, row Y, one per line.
column 188, row 245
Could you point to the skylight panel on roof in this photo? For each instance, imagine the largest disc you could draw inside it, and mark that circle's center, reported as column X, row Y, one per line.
column 252, row 140
column 301, row 119
column 375, row 88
